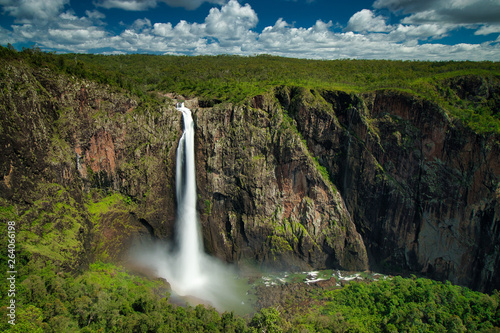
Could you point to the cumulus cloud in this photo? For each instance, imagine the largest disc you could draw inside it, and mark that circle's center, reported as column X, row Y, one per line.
column 286, row 40
column 74, row 36
column 132, row 5
column 232, row 23
column 140, row 24
column 6, row 36
column 95, row 15
column 49, row 25
column 488, row 29
column 29, row 11
column 415, row 33
column 435, row 19
column 192, row 4
column 365, row 20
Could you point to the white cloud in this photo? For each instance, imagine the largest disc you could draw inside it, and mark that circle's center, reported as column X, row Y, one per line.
column 6, row 36
column 45, row 23
column 29, row 11
column 75, row 36
column 163, row 29
column 488, row 29
column 284, row 39
column 140, row 5
column 140, row 24
column 231, row 29
column 419, row 32
column 191, row 4
column 95, row 15
column 365, row 20
column 132, row 5
column 375, row 27
column 231, row 22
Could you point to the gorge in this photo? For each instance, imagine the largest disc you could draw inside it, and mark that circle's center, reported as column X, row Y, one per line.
column 293, row 178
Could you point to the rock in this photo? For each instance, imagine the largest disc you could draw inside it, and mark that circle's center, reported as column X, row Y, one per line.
column 330, row 283
column 423, row 190
column 263, row 197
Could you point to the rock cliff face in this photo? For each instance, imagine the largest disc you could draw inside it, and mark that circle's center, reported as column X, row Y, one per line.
column 294, row 179
column 67, row 145
column 422, row 190
column 263, row 197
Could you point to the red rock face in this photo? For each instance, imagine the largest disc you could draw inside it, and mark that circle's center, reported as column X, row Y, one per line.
column 100, row 156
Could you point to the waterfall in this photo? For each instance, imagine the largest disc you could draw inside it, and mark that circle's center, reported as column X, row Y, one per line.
column 187, row 226
column 188, row 269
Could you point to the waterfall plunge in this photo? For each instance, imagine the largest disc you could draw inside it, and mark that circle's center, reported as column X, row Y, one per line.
column 188, row 234
column 188, row 269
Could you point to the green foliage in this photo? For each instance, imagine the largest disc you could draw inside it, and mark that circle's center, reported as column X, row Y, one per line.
column 269, row 320
column 237, row 78
column 106, row 298
column 102, row 204
column 324, row 173
column 410, row 305
column 52, row 226
column 208, row 207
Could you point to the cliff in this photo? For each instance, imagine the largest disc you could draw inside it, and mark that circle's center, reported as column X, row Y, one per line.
column 85, row 167
column 292, row 179
column 422, row 189
column 263, row 196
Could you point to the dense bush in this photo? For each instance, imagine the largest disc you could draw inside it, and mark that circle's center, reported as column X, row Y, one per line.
column 236, row 78
column 413, row 305
column 107, row 299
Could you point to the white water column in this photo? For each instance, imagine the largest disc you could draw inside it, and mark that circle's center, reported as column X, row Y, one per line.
column 188, row 233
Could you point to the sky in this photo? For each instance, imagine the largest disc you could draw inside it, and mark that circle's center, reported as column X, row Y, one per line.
column 314, row 29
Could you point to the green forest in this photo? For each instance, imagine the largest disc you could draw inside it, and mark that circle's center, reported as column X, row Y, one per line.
column 237, row 78
column 106, row 297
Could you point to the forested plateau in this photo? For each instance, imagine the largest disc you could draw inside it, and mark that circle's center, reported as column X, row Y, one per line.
column 352, row 165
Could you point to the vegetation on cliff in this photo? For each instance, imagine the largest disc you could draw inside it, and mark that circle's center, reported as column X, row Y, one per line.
column 236, row 78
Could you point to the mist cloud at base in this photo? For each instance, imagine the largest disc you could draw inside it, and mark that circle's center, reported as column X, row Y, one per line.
column 218, row 284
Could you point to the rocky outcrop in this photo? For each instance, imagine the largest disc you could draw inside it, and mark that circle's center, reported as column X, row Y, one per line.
column 262, row 196
column 423, row 190
column 67, row 145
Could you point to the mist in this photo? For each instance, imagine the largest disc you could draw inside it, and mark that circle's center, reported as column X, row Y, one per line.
column 218, row 284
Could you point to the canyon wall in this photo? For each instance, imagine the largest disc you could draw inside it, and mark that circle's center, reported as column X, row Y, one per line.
column 423, row 190
column 293, row 179
column 86, row 168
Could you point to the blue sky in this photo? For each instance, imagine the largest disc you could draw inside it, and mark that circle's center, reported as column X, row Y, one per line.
column 319, row 29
